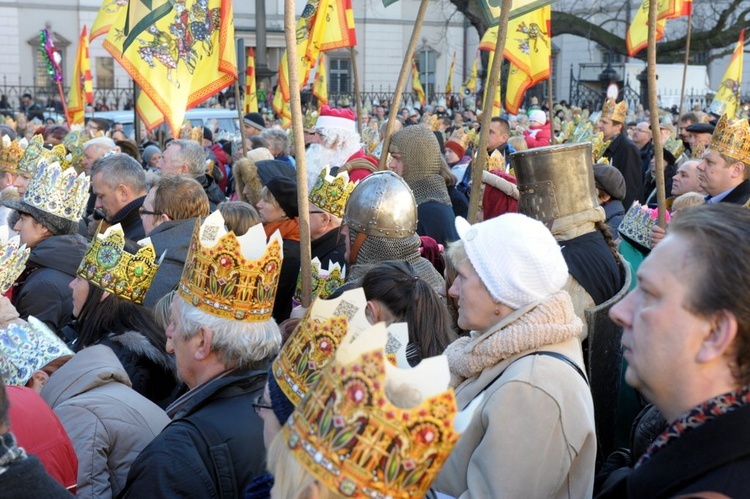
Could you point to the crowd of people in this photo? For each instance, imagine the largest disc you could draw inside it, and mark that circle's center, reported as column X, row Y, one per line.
column 154, row 341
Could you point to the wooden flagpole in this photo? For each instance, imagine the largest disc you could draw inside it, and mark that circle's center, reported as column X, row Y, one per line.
column 653, row 106
column 299, row 150
column 356, row 91
column 680, row 111
column 401, row 83
column 478, row 165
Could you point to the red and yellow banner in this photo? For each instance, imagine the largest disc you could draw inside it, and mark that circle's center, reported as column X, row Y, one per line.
column 251, row 90
column 320, row 85
column 727, row 98
column 81, row 88
column 416, row 84
column 449, row 84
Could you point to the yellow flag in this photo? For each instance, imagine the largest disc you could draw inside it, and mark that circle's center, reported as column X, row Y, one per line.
column 636, row 38
column 81, row 90
column 471, row 82
column 281, row 108
column 518, row 83
column 320, row 86
column 251, row 91
column 727, row 97
column 416, row 85
column 179, row 54
column 107, row 14
column 529, row 44
column 449, row 84
column 333, row 28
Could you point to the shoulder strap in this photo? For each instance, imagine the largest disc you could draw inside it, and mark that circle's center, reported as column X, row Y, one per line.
column 556, row 355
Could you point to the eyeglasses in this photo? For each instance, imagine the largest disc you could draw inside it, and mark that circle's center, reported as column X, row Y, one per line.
column 259, row 404
column 317, row 212
column 143, row 211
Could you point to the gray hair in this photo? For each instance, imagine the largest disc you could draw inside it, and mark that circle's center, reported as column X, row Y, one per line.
column 120, row 169
column 105, row 144
column 239, row 344
column 191, row 154
column 278, row 140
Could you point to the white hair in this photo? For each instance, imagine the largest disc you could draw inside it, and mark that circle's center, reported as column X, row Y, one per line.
column 240, row 344
column 103, row 143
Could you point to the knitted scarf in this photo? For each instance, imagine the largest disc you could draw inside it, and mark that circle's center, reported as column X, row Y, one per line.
column 10, row 453
column 289, row 229
column 708, row 410
column 547, row 322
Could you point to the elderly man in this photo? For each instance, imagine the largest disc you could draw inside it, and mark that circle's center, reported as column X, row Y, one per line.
column 95, row 149
column 686, row 330
column 223, row 337
column 687, row 179
column 185, row 157
column 699, row 136
column 168, row 214
column 725, row 168
column 119, row 185
column 643, row 139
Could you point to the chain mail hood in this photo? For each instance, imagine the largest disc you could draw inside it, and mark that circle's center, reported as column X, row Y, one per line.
column 420, row 154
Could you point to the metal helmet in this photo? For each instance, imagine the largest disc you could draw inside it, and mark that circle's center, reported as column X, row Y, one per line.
column 555, row 181
column 382, row 205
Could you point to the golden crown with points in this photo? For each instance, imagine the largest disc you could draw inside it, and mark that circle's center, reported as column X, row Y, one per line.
column 36, row 152
column 637, row 224
column 614, row 111
column 74, row 142
column 324, row 280
column 311, row 117
column 675, row 147
column 315, row 341
column 496, row 161
column 108, row 266
column 232, row 277
column 461, row 136
column 60, row 192
column 11, row 152
column 331, row 193
column 13, row 256
column 355, row 440
column 698, row 151
column 732, row 139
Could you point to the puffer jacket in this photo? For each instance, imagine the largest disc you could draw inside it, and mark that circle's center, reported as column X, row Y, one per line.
column 108, row 422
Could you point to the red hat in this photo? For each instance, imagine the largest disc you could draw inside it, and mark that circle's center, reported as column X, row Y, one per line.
column 495, row 202
column 456, row 147
column 336, row 118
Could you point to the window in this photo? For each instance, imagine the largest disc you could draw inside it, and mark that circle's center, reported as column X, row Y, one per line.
column 427, row 64
column 339, row 76
column 105, row 72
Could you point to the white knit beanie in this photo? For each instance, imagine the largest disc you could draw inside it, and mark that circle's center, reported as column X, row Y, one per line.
column 539, row 116
column 516, row 257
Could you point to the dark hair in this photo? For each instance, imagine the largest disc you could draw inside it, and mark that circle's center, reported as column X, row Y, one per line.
column 504, row 125
column 411, row 299
column 115, row 315
column 450, row 275
column 719, row 236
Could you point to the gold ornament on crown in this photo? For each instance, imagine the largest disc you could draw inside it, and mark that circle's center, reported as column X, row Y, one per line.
column 315, row 341
column 732, row 139
column 108, row 266
column 349, row 435
column 496, row 161
column 36, row 152
column 698, row 151
column 74, row 142
column 614, row 111
column 232, row 277
column 63, row 193
column 331, row 193
column 13, row 256
column 675, row 147
column 11, row 152
column 324, row 280
column 461, row 136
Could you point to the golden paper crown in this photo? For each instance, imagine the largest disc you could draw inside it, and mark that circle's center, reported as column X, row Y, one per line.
column 432, row 122
column 11, row 152
column 324, row 280
column 355, row 440
column 461, row 136
column 698, row 151
column 675, row 147
column 311, row 117
column 732, row 139
column 331, row 193
column 108, row 266
column 496, row 161
column 315, row 341
column 74, row 142
column 36, row 152
column 62, row 193
column 232, row 277
column 13, row 256
column 614, row 111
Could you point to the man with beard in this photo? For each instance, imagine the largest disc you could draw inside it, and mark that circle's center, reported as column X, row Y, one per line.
column 338, row 143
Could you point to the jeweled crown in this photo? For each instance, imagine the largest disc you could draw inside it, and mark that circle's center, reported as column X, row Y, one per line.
column 36, row 152
column 331, row 193
column 232, row 277
column 108, row 266
column 353, row 438
column 324, row 280
column 62, row 193
column 13, row 256
column 615, row 111
column 26, row 347
column 636, row 225
column 11, row 153
column 315, row 341
column 311, row 117
column 732, row 139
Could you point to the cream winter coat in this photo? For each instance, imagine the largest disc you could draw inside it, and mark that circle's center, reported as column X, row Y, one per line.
column 533, row 434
